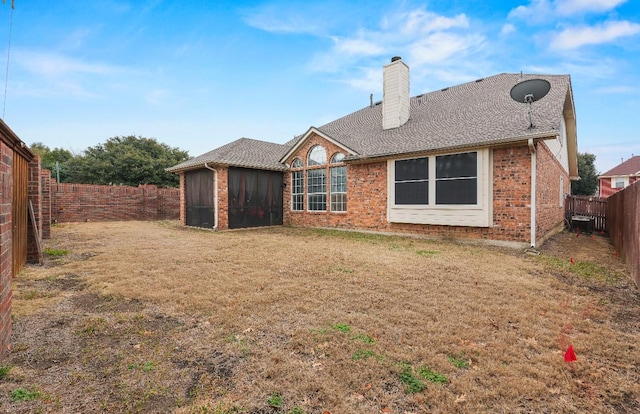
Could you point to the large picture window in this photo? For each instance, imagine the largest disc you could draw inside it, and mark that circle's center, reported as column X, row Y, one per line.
column 455, row 183
column 444, row 189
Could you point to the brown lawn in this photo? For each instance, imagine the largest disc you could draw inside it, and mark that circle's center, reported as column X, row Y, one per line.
column 154, row 317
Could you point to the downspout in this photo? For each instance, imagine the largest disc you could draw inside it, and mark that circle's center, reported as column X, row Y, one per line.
column 215, row 195
column 532, row 150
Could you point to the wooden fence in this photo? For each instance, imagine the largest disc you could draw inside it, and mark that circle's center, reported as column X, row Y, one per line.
column 623, row 226
column 594, row 208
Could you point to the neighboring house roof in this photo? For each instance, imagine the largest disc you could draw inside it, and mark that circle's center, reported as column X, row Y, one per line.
column 472, row 115
column 629, row 167
column 478, row 113
column 245, row 152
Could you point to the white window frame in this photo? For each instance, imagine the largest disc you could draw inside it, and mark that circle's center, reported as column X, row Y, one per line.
column 297, row 198
column 474, row 215
column 614, row 182
column 311, row 181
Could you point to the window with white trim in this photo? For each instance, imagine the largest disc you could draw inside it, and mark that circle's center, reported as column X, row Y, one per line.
column 618, row 182
column 456, row 180
column 317, row 179
column 297, row 186
column 446, row 189
column 338, row 182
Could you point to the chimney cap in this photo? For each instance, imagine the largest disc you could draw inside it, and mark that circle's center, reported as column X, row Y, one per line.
column 393, row 59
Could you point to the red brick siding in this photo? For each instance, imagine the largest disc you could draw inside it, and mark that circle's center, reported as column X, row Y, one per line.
column 6, row 227
column 323, row 218
column 89, row 202
column 549, row 205
column 222, row 207
column 35, row 197
column 367, row 199
column 46, row 203
column 183, row 202
column 223, row 198
column 605, row 186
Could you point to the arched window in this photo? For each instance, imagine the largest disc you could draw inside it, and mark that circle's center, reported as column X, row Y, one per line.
column 317, row 156
column 317, row 179
column 297, row 163
column 337, row 157
column 338, row 184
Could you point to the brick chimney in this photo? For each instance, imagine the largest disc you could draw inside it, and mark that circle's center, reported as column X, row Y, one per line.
column 395, row 89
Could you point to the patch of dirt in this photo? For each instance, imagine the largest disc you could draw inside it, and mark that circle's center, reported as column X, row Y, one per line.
column 156, row 318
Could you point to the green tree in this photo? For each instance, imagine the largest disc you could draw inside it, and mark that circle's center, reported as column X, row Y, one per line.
column 54, row 160
column 588, row 183
column 127, row 160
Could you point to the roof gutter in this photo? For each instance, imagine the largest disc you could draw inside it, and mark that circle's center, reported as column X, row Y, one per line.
column 532, row 150
column 215, row 195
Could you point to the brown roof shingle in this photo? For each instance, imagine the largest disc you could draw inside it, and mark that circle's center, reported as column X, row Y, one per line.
column 474, row 114
column 629, row 167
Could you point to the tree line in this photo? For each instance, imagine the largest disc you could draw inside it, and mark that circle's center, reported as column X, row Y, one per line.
column 126, row 160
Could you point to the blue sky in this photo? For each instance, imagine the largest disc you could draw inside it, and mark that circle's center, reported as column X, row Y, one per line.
column 199, row 74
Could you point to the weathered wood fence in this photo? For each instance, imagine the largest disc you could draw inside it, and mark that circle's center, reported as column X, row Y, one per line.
column 623, row 226
column 587, row 206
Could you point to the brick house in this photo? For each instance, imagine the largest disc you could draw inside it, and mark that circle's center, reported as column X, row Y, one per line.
column 619, row 177
column 465, row 162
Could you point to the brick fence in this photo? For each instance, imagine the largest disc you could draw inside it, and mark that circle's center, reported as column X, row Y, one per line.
column 89, row 202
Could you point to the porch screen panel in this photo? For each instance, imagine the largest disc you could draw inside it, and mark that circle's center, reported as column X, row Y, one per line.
column 199, row 198
column 255, row 198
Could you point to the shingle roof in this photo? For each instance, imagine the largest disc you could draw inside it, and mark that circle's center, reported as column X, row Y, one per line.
column 474, row 114
column 477, row 113
column 244, row 152
column 629, row 167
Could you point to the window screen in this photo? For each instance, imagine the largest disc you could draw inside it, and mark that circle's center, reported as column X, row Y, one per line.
column 457, row 178
column 412, row 181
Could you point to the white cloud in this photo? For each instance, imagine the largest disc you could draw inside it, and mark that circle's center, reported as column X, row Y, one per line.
column 576, row 37
column 279, row 20
column 538, row 11
column 507, row 29
column 441, row 46
column 357, row 46
column 420, row 21
column 570, row 7
column 55, row 65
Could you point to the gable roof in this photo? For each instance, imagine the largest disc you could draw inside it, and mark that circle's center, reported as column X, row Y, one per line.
column 244, row 152
column 474, row 114
column 629, row 167
column 471, row 115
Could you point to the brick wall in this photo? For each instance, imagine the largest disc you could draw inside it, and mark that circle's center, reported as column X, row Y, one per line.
column 6, row 194
column 89, row 202
column 46, row 203
column 320, row 218
column 367, row 200
column 549, row 198
column 34, row 255
column 222, row 208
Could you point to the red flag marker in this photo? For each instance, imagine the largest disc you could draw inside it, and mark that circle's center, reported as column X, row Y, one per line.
column 615, row 254
column 570, row 355
column 572, row 261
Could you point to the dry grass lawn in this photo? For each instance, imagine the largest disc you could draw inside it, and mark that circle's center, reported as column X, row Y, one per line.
column 153, row 317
